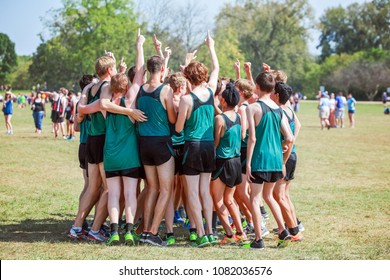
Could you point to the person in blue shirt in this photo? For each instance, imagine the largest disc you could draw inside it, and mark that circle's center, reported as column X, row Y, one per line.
column 351, row 110
column 7, row 110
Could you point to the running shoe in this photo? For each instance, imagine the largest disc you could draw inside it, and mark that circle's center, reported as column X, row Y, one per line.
column 113, row 240
column 301, row 227
column 202, row 242
column 227, row 240
column 129, row 239
column 257, row 245
column 264, row 231
column 155, row 240
column 171, row 240
column 241, row 239
column 284, row 239
column 215, row 233
column 265, row 215
column 182, row 212
column 187, row 224
column 77, row 235
column 212, row 239
column 97, row 237
column 143, row 238
column 105, row 230
column 193, row 236
column 136, row 236
column 297, row 237
column 244, row 223
column 177, row 219
column 249, row 229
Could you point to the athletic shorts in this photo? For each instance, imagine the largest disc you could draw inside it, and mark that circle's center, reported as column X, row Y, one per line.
column 155, row 150
column 351, row 111
column 324, row 113
column 290, row 167
column 130, row 172
column 95, row 146
column 141, row 172
column 178, row 150
column 339, row 113
column 82, row 155
column 269, row 177
column 228, row 171
column 55, row 116
column 199, row 157
column 243, row 160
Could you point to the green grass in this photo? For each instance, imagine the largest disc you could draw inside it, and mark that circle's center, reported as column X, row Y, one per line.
column 341, row 193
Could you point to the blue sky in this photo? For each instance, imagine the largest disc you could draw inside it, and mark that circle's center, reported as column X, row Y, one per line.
column 21, row 19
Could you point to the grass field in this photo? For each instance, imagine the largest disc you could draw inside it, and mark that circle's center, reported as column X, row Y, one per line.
column 341, row 193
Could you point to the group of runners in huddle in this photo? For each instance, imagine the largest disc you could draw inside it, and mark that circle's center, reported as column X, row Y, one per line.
column 224, row 145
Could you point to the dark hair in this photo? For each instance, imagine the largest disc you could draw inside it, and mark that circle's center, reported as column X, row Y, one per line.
column 131, row 73
column 231, row 95
column 284, row 91
column 154, row 64
column 266, row 82
column 85, row 80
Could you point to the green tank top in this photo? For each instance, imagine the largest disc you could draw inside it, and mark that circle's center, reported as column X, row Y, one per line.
column 291, row 122
column 157, row 123
column 230, row 143
column 121, row 145
column 98, row 123
column 200, row 126
column 267, row 154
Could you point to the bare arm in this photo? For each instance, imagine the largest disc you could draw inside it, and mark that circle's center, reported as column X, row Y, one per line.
column 214, row 62
column 251, row 140
column 288, row 138
column 237, row 69
column 157, row 46
column 297, row 128
column 167, row 55
column 219, row 126
column 182, row 116
column 244, row 121
column 248, row 71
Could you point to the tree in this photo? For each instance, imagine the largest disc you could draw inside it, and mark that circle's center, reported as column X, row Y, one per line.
column 81, row 31
column 273, row 32
column 7, row 57
column 355, row 28
column 20, row 77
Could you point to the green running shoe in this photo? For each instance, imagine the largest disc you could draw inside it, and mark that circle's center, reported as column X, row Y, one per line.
column 136, row 237
column 193, row 236
column 113, row 240
column 212, row 239
column 202, row 242
column 171, row 240
column 129, row 239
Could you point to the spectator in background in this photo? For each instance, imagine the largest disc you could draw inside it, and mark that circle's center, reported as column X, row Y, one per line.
column 351, row 110
column 332, row 109
column 323, row 106
column 341, row 101
column 384, row 98
column 7, row 110
column 296, row 98
column 38, row 108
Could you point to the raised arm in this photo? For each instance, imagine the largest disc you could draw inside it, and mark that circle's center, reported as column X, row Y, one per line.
column 139, row 68
column 237, row 69
column 214, row 62
column 248, row 72
column 158, row 46
column 167, row 55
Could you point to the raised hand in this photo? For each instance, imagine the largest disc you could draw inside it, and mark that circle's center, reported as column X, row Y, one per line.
column 109, row 54
column 167, row 52
column 237, row 65
column 122, row 66
column 140, row 38
column 247, row 66
column 266, row 67
column 157, row 43
column 209, row 41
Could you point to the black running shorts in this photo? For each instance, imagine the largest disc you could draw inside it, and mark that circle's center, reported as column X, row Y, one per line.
column 228, row 171
column 130, row 172
column 95, row 146
column 269, row 177
column 155, row 150
column 290, row 167
column 199, row 157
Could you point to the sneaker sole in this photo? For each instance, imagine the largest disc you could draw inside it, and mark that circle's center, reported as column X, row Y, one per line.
column 155, row 244
column 129, row 242
column 203, row 245
column 73, row 238
column 113, row 243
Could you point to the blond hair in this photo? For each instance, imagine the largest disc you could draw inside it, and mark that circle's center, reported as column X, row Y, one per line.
column 246, row 87
column 279, row 76
column 103, row 64
column 176, row 80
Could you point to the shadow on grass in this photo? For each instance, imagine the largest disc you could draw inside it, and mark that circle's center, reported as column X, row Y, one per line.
column 43, row 230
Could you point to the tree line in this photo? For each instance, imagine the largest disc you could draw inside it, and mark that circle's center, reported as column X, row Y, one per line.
column 354, row 41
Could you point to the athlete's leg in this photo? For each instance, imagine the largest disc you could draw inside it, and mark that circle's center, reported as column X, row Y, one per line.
column 191, row 190
column 114, row 192
column 232, row 207
column 206, row 200
column 101, row 207
column 130, row 196
column 256, row 190
column 151, row 196
column 217, row 194
column 273, row 205
column 279, row 193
